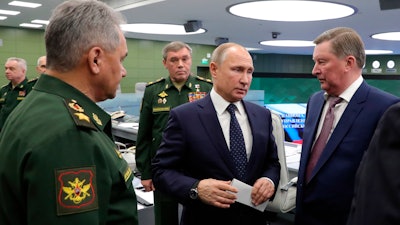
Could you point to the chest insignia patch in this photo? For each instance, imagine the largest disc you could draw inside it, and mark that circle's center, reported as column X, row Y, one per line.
column 22, row 93
column 163, row 94
column 76, row 190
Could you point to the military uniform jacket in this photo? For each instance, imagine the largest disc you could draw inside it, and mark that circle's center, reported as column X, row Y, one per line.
column 60, row 164
column 10, row 98
column 158, row 100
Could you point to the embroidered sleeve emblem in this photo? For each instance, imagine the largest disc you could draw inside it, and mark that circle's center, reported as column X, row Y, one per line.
column 76, row 190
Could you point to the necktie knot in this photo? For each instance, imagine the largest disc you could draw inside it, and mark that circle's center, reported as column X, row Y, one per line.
column 334, row 100
column 231, row 109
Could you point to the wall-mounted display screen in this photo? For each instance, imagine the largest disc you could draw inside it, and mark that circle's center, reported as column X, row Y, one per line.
column 293, row 118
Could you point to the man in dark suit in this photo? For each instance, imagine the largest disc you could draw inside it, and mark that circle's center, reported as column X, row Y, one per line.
column 194, row 162
column 324, row 192
column 376, row 199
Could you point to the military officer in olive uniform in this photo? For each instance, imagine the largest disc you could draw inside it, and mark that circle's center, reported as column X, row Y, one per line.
column 158, row 99
column 60, row 164
column 16, row 90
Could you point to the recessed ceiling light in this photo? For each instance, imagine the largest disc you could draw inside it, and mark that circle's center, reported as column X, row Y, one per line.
column 46, row 22
column 152, row 28
column 9, row 12
column 30, row 25
column 388, row 36
column 291, row 11
column 378, row 52
column 3, row 17
column 121, row 7
column 25, row 4
column 253, row 49
column 288, row 43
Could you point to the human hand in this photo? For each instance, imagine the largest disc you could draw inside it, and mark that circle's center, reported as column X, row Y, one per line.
column 148, row 185
column 216, row 192
column 262, row 190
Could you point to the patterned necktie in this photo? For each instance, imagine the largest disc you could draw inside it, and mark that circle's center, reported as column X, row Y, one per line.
column 237, row 145
column 323, row 136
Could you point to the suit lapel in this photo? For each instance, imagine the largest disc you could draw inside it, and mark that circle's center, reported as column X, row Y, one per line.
column 212, row 128
column 353, row 109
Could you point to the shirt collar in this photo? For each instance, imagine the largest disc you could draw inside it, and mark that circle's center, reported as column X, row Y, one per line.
column 220, row 104
column 349, row 92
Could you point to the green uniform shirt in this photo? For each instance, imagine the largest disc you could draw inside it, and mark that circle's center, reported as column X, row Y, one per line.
column 11, row 97
column 60, row 164
column 158, row 99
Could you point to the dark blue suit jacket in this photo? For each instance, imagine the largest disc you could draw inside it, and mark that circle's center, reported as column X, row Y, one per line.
column 194, row 148
column 326, row 199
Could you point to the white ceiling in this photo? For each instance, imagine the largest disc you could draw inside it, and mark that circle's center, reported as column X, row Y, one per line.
column 368, row 20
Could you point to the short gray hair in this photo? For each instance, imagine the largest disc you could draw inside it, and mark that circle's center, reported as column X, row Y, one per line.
column 174, row 47
column 344, row 41
column 76, row 26
column 21, row 62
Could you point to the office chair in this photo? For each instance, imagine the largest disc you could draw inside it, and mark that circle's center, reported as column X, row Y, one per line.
column 285, row 197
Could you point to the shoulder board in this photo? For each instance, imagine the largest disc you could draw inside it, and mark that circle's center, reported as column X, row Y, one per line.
column 154, row 82
column 78, row 115
column 203, row 79
column 4, row 86
column 33, row 80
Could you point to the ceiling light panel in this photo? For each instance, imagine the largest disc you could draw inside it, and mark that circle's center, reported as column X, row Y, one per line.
column 288, row 43
column 25, row 4
column 9, row 12
column 151, row 28
column 31, row 25
column 291, row 11
column 389, row 36
column 45, row 22
column 378, row 52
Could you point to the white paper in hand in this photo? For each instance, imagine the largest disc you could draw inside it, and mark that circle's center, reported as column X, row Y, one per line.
column 244, row 195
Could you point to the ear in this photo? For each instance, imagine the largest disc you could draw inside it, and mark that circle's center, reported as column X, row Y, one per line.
column 94, row 59
column 164, row 62
column 351, row 62
column 213, row 69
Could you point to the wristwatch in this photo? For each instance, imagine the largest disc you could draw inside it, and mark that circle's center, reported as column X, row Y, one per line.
column 193, row 191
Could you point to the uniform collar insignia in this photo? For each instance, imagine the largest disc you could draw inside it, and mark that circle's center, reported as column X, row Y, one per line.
column 75, row 106
column 97, row 119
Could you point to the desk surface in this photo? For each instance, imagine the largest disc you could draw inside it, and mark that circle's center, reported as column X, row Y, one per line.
column 125, row 130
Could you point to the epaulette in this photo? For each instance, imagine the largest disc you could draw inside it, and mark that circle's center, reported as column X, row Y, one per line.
column 78, row 115
column 154, row 82
column 204, row 79
column 33, row 80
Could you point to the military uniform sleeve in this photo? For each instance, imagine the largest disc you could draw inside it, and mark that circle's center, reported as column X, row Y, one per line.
column 144, row 137
column 74, row 182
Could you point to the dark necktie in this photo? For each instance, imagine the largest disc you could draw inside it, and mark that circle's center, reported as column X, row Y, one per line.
column 323, row 136
column 237, row 145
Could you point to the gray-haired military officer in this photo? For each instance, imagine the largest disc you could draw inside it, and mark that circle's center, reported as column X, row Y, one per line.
column 158, row 99
column 60, row 164
column 16, row 90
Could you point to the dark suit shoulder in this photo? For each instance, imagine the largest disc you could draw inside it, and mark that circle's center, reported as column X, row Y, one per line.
column 155, row 82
